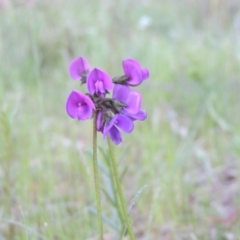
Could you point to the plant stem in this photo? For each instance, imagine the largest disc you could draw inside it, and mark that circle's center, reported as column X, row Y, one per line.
column 96, row 178
column 119, row 208
column 119, row 190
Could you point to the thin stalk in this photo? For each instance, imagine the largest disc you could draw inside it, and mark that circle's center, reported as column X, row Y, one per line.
column 119, row 190
column 119, row 208
column 96, row 178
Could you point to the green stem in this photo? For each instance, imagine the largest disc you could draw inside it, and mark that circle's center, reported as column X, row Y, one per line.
column 119, row 208
column 119, row 190
column 96, row 179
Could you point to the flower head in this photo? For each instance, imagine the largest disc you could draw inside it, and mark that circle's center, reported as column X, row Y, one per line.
column 119, row 121
column 78, row 68
column 99, row 82
column 79, row 105
column 134, row 71
column 112, row 113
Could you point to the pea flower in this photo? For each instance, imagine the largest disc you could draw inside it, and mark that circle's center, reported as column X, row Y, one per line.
column 78, row 68
column 134, row 71
column 131, row 98
column 79, row 105
column 119, row 121
column 99, row 82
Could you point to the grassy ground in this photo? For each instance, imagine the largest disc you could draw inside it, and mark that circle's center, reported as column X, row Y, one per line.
column 187, row 153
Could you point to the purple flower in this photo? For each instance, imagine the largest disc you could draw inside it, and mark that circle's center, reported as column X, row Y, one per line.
column 79, row 106
column 134, row 71
column 99, row 82
column 111, row 128
column 131, row 98
column 78, row 68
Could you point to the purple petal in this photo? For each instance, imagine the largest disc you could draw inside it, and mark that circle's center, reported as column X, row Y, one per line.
column 77, row 67
column 100, row 87
column 120, row 92
column 84, row 112
column 115, row 135
column 134, row 61
column 141, row 115
column 145, row 73
column 91, row 81
column 99, row 81
column 124, row 123
column 132, row 70
column 79, row 105
column 72, row 103
column 109, row 125
column 134, row 101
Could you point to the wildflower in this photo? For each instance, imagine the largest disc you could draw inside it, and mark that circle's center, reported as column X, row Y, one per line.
column 78, row 68
column 131, row 98
column 79, row 105
column 99, row 82
column 119, row 121
column 134, row 71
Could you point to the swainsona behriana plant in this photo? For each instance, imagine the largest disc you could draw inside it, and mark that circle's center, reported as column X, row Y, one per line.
column 110, row 114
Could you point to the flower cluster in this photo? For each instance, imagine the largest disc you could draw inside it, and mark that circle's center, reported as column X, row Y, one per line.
column 113, row 113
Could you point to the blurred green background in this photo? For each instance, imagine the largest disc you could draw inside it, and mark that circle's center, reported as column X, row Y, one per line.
column 187, row 152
